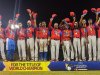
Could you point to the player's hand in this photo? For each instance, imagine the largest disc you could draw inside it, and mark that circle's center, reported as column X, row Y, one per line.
column 51, row 19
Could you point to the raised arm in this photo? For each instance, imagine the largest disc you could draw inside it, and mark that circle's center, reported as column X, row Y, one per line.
column 51, row 19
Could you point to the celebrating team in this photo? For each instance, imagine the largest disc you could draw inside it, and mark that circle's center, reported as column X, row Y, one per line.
column 75, row 38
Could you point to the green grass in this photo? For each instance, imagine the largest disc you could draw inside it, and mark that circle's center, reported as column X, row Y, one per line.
column 53, row 73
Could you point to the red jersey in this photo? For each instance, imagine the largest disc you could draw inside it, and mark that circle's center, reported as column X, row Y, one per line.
column 76, row 33
column 2, row 33
column 66, row 34
column 43, row 32
column 83, row 32
column 91, row 30
column 21, row 33
column 10, row 33
column 56, row 34
column 99, row 32
column 29, row 32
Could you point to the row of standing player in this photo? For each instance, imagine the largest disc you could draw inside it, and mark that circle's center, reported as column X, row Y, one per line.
column 82, row 36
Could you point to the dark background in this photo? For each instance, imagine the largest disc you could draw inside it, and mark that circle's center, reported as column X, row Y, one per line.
column 45, row 8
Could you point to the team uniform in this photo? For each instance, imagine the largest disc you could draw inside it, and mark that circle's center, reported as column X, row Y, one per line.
column 66, row 39
column 10, row 43
column 43, row 42
column 98, row 42
column 36, row 44
column 21, row 43
column 83, row 42
column 55, row 43
column 92, row 42
column 2, row 38
column 76, row 43
column 30, row 41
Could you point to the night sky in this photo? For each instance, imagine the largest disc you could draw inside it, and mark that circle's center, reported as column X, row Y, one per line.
column 45, row 8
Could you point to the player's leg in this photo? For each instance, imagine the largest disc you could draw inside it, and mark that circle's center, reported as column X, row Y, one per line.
column 45, row 49
column 98, row 49
column 8, row 43
column 79, row 48
column 2, row 50
column 52, row 50
column 72, row 50
column 23, row 49
column 19, row 50
column 12, row 50
column 32, row 48
column 89, row 48
column 41, row 49
column 57, row 49
column 94, row 47
column 75, row 47
column 27, row 50
column 83, row 42
column 64, row 50
column 36, row 50
column 68, row 50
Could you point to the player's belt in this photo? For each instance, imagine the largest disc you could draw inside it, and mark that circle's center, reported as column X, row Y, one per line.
column 76, row 37
column 43, row 38
column 56, row 39
column 29, row 37
column 91, row 35
column 66, row 39
column 21, row 39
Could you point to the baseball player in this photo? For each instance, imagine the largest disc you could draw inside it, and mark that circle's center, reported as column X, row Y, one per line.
column 30, row 39
column 98, row 41
column 21, row 42
column 10, row 42
column 92, row 40
column 76, row 42
column 43, row 41
column 68, row 26
column 55, row 41
column 2, row 40
column 66, row 40
column 30, row 34
column 37, row 42
column 84, row 39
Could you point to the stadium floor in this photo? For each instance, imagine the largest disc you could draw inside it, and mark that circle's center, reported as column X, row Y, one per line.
column 53, row 73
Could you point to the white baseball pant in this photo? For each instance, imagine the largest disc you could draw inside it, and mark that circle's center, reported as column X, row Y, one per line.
column 30, row 45
column 55, row 49
column 77, row 47
column 43, row 45
column 36, row 49
column 98, row 49
column 2, row 49
column 21, row 49
column 83, row 46
column 72, row 51
column 66, row 51
column 92, row 44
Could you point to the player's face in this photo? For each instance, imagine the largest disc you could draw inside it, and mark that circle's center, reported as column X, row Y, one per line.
column 90, row 21
column 84, row 21
column 20, row 25
column 56, row 25
column 43, row 24
column 29, row 23
column 40, row 25
column 76, row 24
